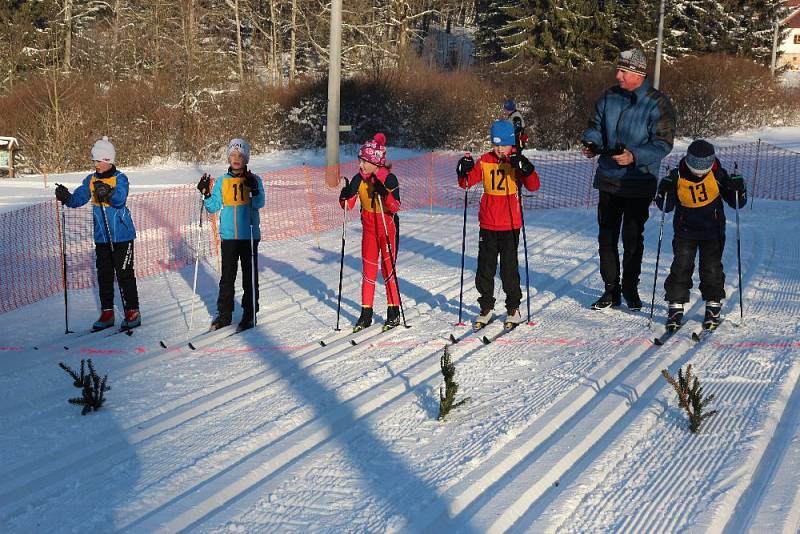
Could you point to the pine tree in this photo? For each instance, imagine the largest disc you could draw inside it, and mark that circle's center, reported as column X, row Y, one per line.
column 556, row 34
column 490, row 19
column 753, row 29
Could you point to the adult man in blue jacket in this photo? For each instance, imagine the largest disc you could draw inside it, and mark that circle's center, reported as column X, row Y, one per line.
column 632, row 130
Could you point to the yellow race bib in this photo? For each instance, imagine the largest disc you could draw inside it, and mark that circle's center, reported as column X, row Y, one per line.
column 498, row 179
column 698, row 194
column 234, row 192
column 111, row 180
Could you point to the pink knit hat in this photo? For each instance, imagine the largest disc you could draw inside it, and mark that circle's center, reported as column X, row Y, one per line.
column 374, row 150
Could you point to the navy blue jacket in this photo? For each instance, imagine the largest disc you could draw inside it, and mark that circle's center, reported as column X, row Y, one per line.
column 699, row 212
column 644, row 121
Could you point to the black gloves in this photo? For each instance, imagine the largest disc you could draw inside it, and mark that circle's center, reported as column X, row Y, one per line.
column 665, row 185
column 252, row 183
column 62, row 194
column 465, row 165
column 522, row 164
column 103, row 191
column 737, row 183
column 345, row 193
column 380, row 188
column 204, row 185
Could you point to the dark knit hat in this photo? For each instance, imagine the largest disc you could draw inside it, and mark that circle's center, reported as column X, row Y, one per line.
column 633, row 60
column 700, row 157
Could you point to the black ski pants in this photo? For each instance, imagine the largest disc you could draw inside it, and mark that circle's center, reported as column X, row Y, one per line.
column 615, row 212
column 235, row 251
column 120, row 261
column 494, row 243
column 712, row 276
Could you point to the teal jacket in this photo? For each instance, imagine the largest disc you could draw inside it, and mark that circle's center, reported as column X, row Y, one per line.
column 239, row 207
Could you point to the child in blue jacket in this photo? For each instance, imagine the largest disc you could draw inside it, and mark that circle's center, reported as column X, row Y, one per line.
column 107, row 188
column 239, row 193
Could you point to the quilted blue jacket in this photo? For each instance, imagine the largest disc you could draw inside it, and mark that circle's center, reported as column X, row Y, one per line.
column 644, row 121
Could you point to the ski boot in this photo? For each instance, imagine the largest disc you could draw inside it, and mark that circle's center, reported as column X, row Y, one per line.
column 392, row 318
column 632, row 299
column 513, row 319
column 132, row 319
column 245, row 324
column 483, row 319
column 364, row 320
column 106, row 320
column 674, row 316
column 219, row 322
column 712, row 317
column 609, row 299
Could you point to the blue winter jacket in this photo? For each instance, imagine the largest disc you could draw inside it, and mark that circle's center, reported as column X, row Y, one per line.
column 239, row 209
column 120, row 223
column 644, row 121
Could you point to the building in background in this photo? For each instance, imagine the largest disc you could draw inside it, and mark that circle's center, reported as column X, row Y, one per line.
column 790, row 47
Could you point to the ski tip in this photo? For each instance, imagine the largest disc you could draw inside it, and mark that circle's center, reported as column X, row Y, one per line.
column 353, row 342
column 128, row 333
column 35, row 348
column 192, row 347
column 163, row 345
column 322, row 343
column 453, row 339
column 66, row 347
column 486, row 340
column 657, row 342
column 695, row 336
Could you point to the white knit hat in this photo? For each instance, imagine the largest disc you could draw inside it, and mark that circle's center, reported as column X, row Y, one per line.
column 103, row 150
column 242, row 146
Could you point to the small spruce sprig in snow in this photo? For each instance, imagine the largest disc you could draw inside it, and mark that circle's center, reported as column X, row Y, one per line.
column 447, row 393
column 91, row 385
column 690, row 397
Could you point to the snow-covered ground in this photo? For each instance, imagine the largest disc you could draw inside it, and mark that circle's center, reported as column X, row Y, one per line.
column 569, row 425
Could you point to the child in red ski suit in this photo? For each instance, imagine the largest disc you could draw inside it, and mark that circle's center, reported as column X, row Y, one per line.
column 379, row 193
column 501, row 170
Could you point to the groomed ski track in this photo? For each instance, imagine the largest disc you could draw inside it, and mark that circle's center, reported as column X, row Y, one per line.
column 570, row 426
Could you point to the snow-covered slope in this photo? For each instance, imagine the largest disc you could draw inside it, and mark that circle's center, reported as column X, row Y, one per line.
column 569, row 426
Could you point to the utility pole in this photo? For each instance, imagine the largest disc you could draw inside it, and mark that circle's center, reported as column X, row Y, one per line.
column 334, row 77
column 659, row 46
column 774, row 49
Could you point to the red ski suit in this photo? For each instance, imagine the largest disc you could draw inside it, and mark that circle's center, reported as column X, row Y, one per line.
column 373, row 237
column 499, row 204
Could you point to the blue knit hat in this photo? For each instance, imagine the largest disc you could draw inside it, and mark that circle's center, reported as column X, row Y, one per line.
column 509, row 106
column 700, row 157
column 503, row 133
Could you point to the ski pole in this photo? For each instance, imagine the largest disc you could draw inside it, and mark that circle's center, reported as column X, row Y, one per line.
column 62, row 233
column 658, row 257
column 525, row 248
column 739, row 250
column 113, row 259
column 196, row 264
column 341, row 259
column 394, row 265
column 252, row 263
column 463, row 252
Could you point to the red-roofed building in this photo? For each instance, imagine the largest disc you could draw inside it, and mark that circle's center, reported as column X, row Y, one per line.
column 790, row 47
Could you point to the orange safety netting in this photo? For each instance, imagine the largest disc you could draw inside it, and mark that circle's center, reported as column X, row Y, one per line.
column 298, row 202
